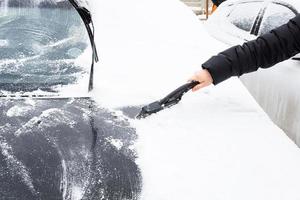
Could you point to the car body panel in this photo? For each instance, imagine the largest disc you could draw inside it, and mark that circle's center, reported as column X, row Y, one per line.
column 66, row 149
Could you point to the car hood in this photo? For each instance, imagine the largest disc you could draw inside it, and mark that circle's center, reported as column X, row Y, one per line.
column 65, row 149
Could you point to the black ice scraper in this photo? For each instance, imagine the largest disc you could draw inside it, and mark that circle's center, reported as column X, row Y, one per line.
column 170, row 100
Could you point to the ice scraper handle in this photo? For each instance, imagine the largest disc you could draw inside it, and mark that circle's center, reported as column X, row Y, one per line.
column 177, row 94
column 170, row 100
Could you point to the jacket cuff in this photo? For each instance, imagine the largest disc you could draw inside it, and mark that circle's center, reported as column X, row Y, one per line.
column 219, row 68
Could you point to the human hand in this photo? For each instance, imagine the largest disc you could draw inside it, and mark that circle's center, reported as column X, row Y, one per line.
column 203, row 77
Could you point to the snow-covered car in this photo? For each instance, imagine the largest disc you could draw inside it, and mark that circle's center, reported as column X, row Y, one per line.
column 243, row 20
column 54, row 143
column 215, row 144
column 275, row 89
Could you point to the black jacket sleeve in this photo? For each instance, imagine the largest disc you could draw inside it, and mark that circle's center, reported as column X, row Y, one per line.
column 278, row 45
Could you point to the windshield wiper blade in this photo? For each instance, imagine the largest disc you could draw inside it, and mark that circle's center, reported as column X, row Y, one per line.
column 88, row 22
column 170, row 100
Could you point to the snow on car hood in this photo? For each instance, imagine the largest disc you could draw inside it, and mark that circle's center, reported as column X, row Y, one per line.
column 145, row 55
column 216, row 144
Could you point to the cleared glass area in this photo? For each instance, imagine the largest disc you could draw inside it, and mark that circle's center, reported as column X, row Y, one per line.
column 41, row 42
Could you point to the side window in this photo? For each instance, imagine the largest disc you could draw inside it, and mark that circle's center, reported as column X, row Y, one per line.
column 275, row 16
column 243, row 15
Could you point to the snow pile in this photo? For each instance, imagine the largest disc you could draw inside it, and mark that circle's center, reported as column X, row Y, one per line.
column 17, row 111
column 146, row 48
column 216, row 144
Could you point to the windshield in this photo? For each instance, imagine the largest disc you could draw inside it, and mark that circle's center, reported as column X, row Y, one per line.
column 42, row 45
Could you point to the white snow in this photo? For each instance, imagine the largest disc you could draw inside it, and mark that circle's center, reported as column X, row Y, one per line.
column 77, row 193
column 15, row 166
column 222, row 147
column 3, row 43
column 216, row 144
column 18, row 111
column 116, row 143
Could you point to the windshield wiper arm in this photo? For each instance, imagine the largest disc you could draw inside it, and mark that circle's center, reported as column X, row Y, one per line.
column 88, row 22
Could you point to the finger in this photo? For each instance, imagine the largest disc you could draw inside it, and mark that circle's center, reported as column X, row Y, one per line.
column 199, row 86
